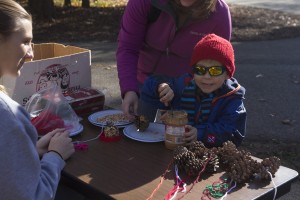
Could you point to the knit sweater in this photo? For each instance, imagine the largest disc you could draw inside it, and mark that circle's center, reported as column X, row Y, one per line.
column 24, row 176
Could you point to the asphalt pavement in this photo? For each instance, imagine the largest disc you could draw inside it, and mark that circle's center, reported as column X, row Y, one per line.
column 269, row 70
column 291, row 6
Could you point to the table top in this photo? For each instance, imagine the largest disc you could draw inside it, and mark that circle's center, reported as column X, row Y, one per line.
column 130, row 169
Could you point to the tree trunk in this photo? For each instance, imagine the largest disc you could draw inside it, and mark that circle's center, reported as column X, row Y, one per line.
column 48, row 9
column 85, row 3
column 67, row 3
column 35, row 7
column 42, row 8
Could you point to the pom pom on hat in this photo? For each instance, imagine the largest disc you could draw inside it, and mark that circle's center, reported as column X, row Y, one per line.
column 213, row 47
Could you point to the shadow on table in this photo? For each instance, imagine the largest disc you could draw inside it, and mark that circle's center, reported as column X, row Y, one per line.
column 117, row 167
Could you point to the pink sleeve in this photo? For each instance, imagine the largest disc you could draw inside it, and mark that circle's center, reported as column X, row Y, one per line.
column 130, row 41
column 224, row 28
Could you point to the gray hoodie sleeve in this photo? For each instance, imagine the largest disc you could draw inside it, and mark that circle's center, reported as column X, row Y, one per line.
column 23, row 174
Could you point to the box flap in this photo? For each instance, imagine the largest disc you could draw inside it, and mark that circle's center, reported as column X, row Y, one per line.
column 50, row 50
column 67, row 66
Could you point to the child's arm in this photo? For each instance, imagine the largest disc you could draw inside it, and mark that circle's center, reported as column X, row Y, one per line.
column 149, row 92
column 228, row 123
column 156, row 87
column 165, row 93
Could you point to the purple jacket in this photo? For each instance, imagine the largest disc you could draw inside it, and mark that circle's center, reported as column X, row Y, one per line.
column 160, row 47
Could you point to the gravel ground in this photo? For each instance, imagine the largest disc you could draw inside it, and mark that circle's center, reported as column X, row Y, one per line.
column 102, row 24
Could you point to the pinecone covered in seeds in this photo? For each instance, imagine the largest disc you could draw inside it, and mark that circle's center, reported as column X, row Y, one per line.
column 110, row 130
column 141, row 123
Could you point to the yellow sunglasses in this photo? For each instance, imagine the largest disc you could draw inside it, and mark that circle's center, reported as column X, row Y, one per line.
column 213, row 70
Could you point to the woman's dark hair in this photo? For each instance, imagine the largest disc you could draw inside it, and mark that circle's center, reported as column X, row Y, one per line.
column 201, row 9
column 10, row 14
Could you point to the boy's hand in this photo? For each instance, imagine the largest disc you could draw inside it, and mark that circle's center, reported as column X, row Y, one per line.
column 166, row 94
column 190, row 134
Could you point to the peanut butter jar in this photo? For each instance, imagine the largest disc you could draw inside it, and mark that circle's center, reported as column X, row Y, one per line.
column 175, row 122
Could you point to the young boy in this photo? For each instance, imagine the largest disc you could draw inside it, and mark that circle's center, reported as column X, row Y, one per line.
column 212, row 98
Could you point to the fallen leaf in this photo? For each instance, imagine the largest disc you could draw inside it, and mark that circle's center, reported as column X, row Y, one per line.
column 287, row 122
column 296, row 82
column 262, row 100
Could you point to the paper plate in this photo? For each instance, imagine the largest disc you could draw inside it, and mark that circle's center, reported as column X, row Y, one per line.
column 76, row 130
column 93, row 118
column 154, row 133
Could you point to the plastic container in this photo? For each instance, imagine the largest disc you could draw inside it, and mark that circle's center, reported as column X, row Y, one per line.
column 175, row 127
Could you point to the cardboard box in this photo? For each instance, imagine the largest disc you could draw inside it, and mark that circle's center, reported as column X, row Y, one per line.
column 85, row 100
column 67, row 66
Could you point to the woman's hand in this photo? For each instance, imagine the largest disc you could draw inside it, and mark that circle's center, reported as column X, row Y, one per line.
column 62, row 144
column 166, row 94
column 130, row 103
column 43, row 143
column 190, row 134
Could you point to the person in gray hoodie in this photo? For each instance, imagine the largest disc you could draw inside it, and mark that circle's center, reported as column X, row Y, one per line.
column 30, row 167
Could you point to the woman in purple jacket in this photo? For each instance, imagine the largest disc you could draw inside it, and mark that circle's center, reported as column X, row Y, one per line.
column 158, row 36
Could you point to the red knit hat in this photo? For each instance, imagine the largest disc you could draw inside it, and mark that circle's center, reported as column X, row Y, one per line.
column 213, row 47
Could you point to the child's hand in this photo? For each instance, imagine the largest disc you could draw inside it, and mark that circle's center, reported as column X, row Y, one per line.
column 166, row 94
column 190, row 134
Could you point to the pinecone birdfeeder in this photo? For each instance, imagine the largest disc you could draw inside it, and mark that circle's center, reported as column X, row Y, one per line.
column 141, row 123
column 110, row 133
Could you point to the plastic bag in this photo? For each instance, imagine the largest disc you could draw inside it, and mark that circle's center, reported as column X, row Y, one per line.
column 49, row 110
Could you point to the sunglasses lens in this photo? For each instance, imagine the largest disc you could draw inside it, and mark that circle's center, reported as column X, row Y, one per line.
column 215, row 71
column 200, row 70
